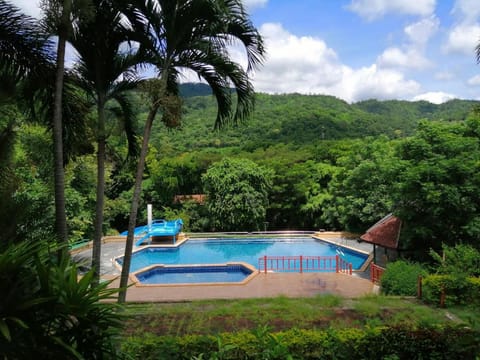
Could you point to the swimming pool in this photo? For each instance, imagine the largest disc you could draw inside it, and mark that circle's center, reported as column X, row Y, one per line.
column 194, row 274
column 221, row 251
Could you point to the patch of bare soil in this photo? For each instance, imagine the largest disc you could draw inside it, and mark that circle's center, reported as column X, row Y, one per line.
column 182, row 324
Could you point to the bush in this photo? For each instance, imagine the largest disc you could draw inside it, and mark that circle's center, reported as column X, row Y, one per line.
column 401, row 277
column 349, row 343
column 473, row 295
column 458, row 260
column 458, row 290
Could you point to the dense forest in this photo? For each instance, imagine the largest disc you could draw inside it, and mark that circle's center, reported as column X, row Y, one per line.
column 298, row 162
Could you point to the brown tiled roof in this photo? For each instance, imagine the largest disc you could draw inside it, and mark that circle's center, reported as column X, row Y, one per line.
column 198, row 198
column 384, row 233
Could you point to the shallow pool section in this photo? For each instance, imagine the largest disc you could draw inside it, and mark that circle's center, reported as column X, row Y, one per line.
column 237, row 273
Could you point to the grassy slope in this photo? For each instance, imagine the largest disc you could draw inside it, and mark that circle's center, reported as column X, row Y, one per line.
column 213, row 317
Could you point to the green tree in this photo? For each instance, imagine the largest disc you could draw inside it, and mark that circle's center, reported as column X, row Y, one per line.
column 194, row 35
column 63, row 27
column 362, row 191
column 105, row 74
column 60, row 17
column 438, row 192
column 237, row 194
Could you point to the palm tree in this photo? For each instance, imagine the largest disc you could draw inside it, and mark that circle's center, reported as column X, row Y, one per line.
column 62, row 25
column 194, row 34
column 105, row 72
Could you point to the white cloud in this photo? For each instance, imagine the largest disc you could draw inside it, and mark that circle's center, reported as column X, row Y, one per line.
column 410, row 58
column 444, row 76
column 308, row 65
column 435, row 97
column 474, row 80
column 252, row 4
column 464, row 35
column 373, row 9
column 420, row 32
column 374, row 83
column 463, row 39
column 29, row 7
column 411, row 54
column 467, row 10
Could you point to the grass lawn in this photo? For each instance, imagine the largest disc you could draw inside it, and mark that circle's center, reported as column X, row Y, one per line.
column 281, row 313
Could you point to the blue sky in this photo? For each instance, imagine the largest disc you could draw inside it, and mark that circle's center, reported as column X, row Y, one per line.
column 363, row 49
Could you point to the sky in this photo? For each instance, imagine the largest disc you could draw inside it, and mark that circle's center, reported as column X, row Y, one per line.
column 364, row 49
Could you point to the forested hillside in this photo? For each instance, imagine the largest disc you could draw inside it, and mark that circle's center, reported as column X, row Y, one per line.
column 302, row 119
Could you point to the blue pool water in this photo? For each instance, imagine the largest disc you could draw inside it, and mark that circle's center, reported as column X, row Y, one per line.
column 194, row 275
column 221, row 251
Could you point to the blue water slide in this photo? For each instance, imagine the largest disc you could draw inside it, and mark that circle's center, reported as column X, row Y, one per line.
column 159, row 228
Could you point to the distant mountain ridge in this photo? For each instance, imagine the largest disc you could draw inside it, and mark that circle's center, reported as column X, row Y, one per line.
column 304, row 119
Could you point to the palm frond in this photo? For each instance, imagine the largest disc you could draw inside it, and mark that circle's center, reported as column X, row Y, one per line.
column 127, row 117
column 24, row 47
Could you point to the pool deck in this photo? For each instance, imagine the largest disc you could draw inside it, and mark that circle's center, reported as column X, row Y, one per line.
column 261, row 286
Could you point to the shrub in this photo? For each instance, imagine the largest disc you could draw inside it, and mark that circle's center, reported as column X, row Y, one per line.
column 462, row 260
column 473, row 296
column 377, row 343
column 400, row 278
column 458, row 290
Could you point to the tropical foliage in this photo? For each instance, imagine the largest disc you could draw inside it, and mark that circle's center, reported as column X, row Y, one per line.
column 237, row 194
column 45, row 309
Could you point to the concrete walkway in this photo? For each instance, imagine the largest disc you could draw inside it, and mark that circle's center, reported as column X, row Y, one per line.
column 261, row 286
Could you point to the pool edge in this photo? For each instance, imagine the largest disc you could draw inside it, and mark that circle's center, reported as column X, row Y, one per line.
column 254, row 273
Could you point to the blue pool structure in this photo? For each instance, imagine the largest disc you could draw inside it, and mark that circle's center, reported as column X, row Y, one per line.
column 194, row 274
column 158, row 228
column 206, row 252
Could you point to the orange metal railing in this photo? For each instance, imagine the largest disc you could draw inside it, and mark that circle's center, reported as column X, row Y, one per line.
column 304, row 264
column 376, row 273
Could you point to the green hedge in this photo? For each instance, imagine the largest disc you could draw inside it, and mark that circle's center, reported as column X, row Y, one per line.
column 401, row 278
column 458, row 290
column 377, row 343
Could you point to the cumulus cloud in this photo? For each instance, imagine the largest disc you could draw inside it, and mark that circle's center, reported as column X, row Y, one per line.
column 420, row 32
column 467, row 10
column 435, row 97
column 463, row 38
column 412, row 53
column 308, row 65
column 409, row 58
column 252, row 4
column 474, row 81
column 373, row 9
column 463, row 35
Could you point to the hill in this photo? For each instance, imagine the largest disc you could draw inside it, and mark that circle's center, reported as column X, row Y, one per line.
column 300, row 119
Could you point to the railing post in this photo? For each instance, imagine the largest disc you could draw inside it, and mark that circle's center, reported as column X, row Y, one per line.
column 419, row 287
column 265, row 263
column 337, row 259
column 301, row 264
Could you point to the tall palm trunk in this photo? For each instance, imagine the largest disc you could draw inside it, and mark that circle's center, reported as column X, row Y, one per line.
column 135, row 203
column 59, row 179
column 101, row 140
